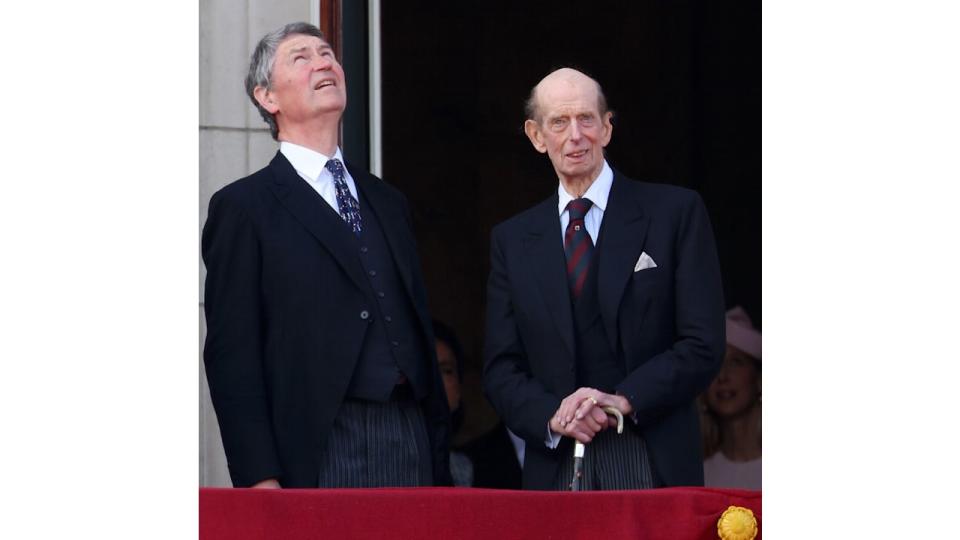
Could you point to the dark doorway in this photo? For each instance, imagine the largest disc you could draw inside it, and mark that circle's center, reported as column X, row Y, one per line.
column 682, row 77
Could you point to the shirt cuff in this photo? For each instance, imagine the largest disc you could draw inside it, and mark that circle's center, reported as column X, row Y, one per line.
column 553, row 438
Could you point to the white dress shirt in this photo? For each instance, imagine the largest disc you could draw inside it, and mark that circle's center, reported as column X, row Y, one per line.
column 598, row 193
column 312, row 167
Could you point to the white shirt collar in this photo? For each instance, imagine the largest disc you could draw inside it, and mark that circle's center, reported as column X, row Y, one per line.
column 307, row 162
column 598, row 192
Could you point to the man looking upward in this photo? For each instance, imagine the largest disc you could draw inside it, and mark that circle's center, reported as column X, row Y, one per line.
column 319, row 351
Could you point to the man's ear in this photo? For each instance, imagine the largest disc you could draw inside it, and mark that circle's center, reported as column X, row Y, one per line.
column 265, row 98
column 532, row 129
column 607, row 129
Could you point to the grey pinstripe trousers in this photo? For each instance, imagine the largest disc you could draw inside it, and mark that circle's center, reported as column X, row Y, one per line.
column 610, row 462
column 376, row 444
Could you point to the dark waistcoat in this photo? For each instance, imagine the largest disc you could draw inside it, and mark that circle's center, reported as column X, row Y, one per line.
column 597, row 365
column 394, row 343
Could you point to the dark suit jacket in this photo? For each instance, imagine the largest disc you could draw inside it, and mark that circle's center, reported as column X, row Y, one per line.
column 494, row 460
column 665, row 323
column 284, row 297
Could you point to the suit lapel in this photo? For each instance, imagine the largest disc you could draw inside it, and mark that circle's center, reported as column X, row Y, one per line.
column 624, row 231
column 544, row 247
column 312, row 212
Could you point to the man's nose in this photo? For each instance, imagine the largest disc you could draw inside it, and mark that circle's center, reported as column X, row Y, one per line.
column 574, row 131
column 322, row 63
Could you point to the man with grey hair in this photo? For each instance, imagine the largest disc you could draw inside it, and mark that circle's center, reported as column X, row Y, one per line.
column 319, row 352
column 606, row 294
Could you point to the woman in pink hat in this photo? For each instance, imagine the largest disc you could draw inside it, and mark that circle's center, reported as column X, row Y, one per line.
column 730, row 410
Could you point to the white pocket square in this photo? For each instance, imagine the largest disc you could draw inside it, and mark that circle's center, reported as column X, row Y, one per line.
column 645, row 261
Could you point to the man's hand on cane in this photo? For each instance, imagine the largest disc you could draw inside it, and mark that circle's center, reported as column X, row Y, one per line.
column 581, row 416
column 584, row 429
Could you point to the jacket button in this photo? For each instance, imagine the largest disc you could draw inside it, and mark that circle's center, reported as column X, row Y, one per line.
column 364, row 314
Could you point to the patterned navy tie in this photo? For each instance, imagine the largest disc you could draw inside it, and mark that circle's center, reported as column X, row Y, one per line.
column 349, row 207
column 577, row 245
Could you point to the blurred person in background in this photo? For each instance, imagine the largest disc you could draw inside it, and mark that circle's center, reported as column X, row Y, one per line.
column 730, row 410
column 450, row 359
column 494, row 459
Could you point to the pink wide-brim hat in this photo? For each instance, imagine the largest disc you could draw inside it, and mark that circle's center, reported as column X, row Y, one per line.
column 741, row 333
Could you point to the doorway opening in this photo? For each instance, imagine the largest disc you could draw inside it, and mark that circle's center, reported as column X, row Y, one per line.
column 683, row 80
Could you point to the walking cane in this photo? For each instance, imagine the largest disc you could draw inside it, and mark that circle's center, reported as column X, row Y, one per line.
column 579, row 449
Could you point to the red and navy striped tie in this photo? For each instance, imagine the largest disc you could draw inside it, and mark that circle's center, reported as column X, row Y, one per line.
column 577, row 245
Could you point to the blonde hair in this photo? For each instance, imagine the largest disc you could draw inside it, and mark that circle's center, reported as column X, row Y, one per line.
column 709, row 428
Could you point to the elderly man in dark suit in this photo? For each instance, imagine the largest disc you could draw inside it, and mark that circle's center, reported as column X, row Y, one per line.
column 607, row 293
column 319, row 351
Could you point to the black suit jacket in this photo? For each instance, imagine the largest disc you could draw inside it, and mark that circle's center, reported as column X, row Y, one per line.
column 665, row 323
column 284, row 298
column 494, row 460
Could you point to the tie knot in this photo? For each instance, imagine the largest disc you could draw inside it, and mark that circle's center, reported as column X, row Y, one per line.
column 335, row 167
column 578, row 208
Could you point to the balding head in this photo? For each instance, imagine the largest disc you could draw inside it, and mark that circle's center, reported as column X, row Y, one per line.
column 569, row 122
column 558, row 78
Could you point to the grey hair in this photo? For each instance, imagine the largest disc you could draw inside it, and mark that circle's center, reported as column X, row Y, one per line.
column 531, row 107
column 261, row 64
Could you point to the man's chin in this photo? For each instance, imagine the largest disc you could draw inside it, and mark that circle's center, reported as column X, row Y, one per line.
column 329, row 109
column 331, row 102
column 576, row 170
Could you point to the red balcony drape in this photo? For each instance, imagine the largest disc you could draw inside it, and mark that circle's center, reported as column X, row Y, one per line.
column 396, row 514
